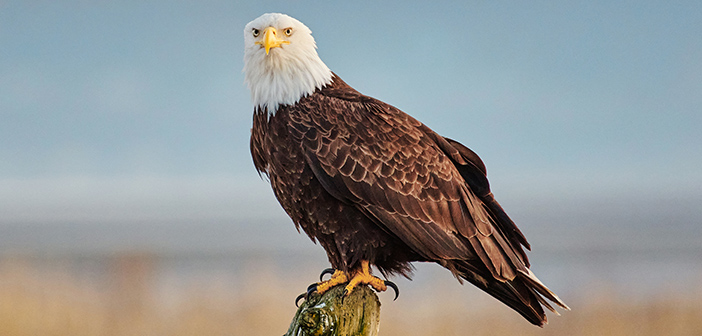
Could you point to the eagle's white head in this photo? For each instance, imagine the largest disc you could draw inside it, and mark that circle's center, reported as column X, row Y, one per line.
column 281, row 64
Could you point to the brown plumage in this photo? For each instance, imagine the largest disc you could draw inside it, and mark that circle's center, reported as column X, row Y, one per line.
column 372, row 184
column 369, row 182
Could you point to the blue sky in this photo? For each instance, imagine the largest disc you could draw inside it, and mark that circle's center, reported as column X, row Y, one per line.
column 139, row 108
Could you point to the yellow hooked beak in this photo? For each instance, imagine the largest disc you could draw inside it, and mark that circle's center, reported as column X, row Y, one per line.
column 270, row 39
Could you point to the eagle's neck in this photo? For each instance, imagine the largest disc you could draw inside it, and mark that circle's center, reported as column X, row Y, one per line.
column 283, row 78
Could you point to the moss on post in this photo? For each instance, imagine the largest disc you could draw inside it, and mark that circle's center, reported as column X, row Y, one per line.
column 326, row 315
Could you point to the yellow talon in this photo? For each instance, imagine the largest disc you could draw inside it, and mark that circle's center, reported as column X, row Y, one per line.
column 360, row 276
column 363, row 276
column 338, row 278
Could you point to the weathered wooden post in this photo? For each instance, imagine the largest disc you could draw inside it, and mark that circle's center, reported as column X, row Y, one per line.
column 327, row 315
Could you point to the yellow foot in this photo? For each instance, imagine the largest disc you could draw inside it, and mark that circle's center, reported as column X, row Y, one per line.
column 360, row 276
column 364, row 277
column 338, row 278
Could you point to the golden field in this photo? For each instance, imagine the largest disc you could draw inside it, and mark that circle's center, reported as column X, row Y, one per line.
column 128, row 295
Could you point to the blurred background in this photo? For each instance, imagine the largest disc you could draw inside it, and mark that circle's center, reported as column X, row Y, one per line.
column 129, row 204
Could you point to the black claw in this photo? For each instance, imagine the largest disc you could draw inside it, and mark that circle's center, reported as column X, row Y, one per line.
column 394, row 287
column 326, row 271
column 343, row 296
column 311, row 289
column 297, row 299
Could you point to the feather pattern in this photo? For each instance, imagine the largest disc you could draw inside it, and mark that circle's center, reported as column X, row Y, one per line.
column 369, row 182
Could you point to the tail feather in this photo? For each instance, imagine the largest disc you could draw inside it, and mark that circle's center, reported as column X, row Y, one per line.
column 525, row 293
column 535, row 283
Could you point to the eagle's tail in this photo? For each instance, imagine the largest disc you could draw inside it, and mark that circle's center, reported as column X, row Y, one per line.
column 525, row 293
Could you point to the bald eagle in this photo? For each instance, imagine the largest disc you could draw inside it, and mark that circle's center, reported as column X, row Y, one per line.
column 374, row 186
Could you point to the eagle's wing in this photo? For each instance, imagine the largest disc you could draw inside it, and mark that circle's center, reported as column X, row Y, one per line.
column 423, row 188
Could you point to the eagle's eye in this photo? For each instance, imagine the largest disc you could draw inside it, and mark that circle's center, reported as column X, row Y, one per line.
column 288, row 31
column 255, row 32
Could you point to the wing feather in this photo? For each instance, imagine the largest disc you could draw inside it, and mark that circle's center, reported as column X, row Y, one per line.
column 430, row 192
column 419, row 186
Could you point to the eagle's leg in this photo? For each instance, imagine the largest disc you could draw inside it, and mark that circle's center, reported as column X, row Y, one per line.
column 360, row 276
column 339, row 277
column 363, row 276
